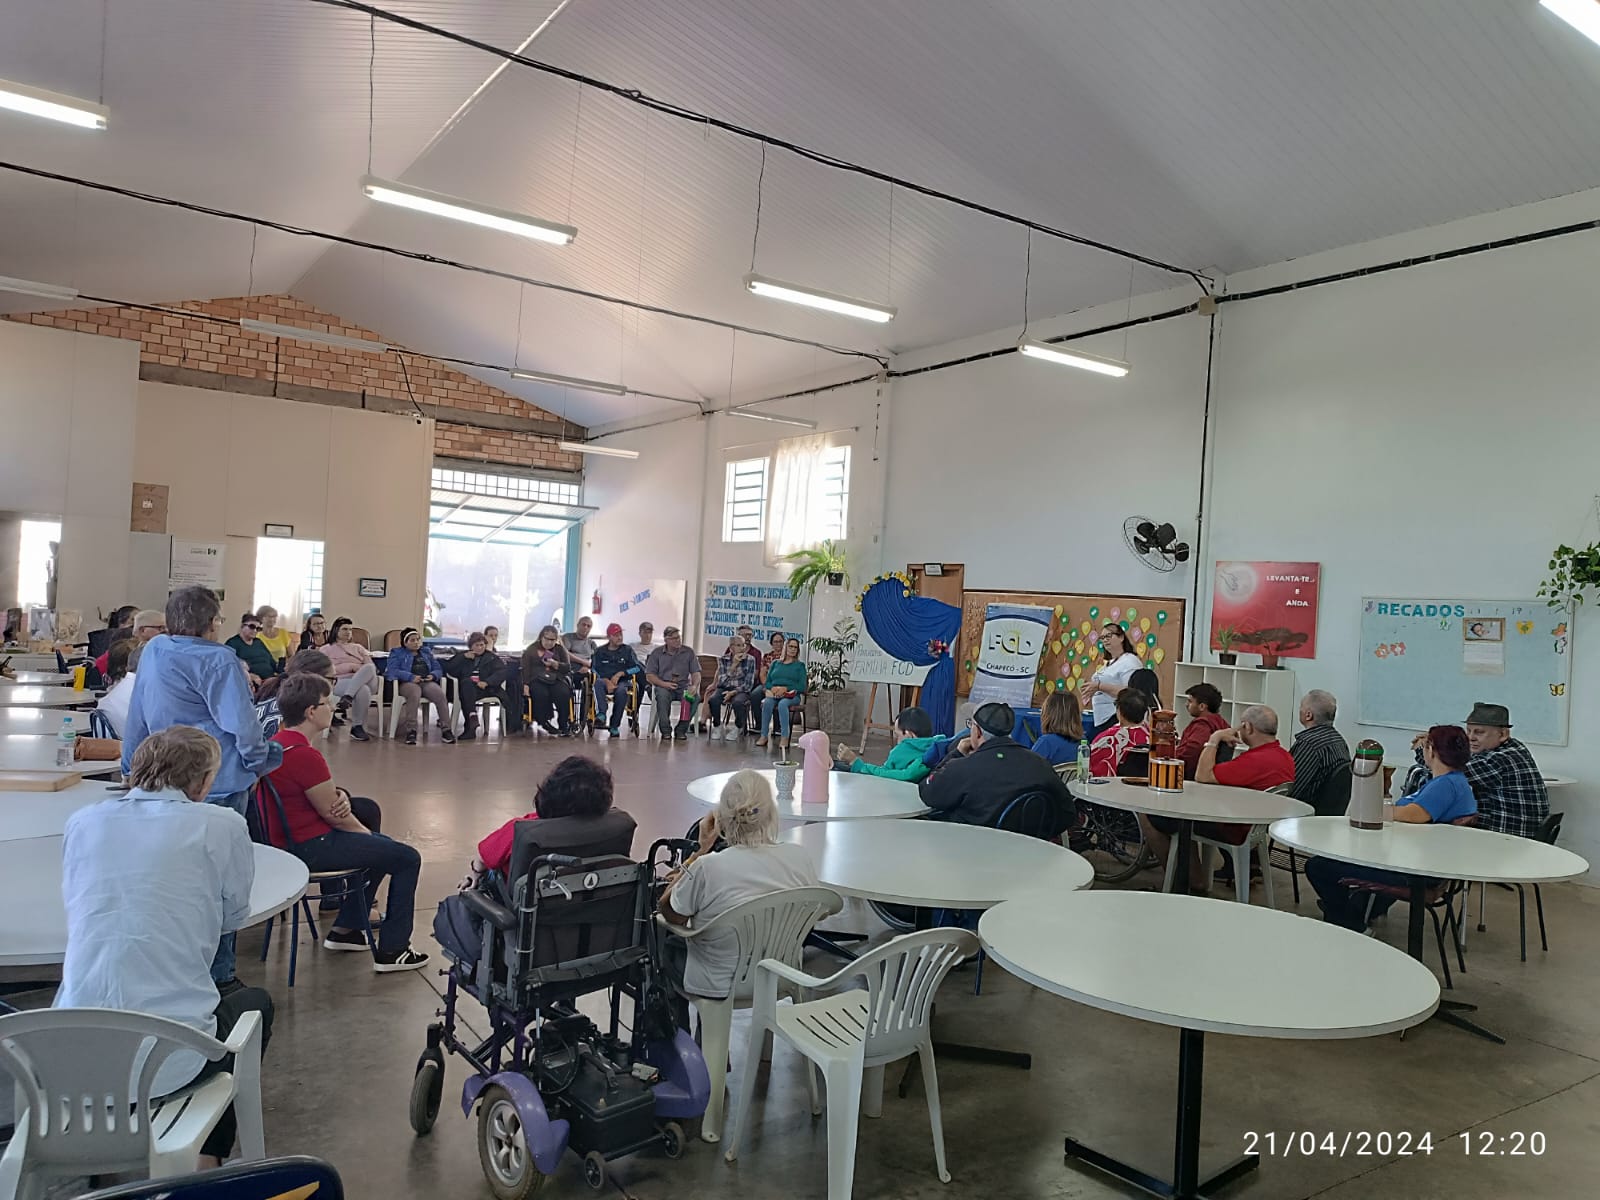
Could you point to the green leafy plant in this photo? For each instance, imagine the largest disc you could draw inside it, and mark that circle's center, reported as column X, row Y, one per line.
column 1225, row 638
column 1572, row 574
column 828, row 674
column 824, row 563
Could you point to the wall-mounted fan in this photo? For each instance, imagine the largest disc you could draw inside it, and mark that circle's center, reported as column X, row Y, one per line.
column 1156, row 546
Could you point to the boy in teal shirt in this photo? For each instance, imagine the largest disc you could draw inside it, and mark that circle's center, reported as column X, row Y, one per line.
column 913, row 735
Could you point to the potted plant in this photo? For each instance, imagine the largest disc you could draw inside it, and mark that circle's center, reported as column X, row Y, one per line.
column 824, row 563
column 830, row 697
column 1572, row 573
column 1273, row 644
column 1225, row 638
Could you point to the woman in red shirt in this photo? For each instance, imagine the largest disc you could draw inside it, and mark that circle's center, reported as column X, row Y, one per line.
column 577, row 787
column 324, row 834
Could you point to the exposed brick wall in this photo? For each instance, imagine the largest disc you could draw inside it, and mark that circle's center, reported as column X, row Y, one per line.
column 220, row 347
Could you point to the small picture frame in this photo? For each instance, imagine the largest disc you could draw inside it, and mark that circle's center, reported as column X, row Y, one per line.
column 372, row 589
column 283, row 531
column 1483, row 629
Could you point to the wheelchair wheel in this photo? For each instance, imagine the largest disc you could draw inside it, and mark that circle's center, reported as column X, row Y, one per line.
column 503, row 1147
column 1115, row 846
column 673, row 1139
column 426, row 1089
column 594, row 1169
column 901, row 918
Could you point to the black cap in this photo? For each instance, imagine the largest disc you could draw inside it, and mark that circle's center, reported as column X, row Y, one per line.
column 996, row 719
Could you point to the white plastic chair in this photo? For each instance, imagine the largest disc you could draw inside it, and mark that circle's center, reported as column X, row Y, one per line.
column 84, row 1077
column 424, row 706
column 1258, row 841
column 854, row 1035
column 772, row 927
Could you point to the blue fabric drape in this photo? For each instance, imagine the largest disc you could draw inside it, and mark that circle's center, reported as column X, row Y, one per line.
column 903, row 624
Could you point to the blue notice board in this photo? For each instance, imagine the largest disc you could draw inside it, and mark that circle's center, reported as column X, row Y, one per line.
column 1426, row 660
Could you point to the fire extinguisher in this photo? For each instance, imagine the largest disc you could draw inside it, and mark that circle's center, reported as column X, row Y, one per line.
column 595, row 604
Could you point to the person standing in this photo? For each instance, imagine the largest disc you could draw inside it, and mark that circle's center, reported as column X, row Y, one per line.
column 1118, row 663
column 152, row 881
column 189, row 678
column 673, row 670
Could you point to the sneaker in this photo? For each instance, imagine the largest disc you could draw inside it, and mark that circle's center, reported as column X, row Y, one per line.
column 411, row 738
column 733, row 733
column 345, row 939
column 398, row 960
column 468, row 735
column 614, row 732
column 359, row 734
column 682, row 733
column 549, row 728
column 338, row 721
column 448, row 738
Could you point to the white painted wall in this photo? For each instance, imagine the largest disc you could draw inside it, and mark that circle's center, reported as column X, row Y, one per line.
column 67, row 408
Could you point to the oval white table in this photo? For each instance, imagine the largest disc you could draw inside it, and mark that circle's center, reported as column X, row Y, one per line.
column 941, row 864
column 1424, row 853
column 851, row 797
column 37, row 752
column 23, row 695
column 42, row 720
column 1174, row 960
column 26, row 660
column 41, row 678
column 1212, row 802
column 25, row 815
column 33, row 919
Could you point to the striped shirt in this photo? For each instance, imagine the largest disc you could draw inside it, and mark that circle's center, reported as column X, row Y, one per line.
column 1318, row 750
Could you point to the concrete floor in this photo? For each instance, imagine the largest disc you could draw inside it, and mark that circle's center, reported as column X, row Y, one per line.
column 339, row 1071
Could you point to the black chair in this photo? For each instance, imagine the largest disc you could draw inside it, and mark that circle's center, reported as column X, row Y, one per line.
column 1548, row 833
column 269, row 1179
column 1332, row 800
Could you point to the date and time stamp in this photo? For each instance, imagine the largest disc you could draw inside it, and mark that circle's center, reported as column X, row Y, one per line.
column 1383, row 1143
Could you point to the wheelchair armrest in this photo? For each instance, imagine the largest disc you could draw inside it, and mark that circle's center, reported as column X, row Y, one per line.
column 497, row 914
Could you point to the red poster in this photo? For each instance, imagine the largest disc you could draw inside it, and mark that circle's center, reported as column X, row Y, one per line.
column 1266, row 608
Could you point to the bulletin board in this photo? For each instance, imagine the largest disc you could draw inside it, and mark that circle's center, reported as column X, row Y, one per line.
column 1426, row 661
column 1071, row 651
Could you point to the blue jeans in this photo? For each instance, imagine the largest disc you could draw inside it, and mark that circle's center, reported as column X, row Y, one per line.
column 340, row 849
column 1346, row 906
column 619, row 701
column 782, row 707
column 222, row 961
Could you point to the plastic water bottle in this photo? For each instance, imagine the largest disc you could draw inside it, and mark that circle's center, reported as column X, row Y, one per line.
column 1083, row 760
column 66, row 744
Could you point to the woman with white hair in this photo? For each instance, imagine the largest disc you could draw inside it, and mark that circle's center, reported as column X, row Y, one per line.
column 753, row 863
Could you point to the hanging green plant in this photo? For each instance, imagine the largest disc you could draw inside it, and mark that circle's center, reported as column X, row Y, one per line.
column 1572, row 574
column 820, row 564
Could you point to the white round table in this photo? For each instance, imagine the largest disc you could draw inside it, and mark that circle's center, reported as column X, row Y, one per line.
column 26, row 660
column 25, row 815
column 941, row 864
column 33, row 918
column 1197, row 802
column 851, row 797
column 1424, row 853
column 41, row 678
column 1174, row 960
column 36, row 752
column 23, row 695
column 42, row 720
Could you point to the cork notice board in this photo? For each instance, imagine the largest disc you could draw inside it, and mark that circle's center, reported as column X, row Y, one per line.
column 1071, row 650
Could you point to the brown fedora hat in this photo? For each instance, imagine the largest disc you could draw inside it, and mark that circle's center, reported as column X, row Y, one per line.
column 1496, row 715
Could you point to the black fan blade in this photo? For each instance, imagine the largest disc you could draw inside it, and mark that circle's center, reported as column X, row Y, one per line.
column 1164, row 533
column 1180, row 552
column 1145, row 530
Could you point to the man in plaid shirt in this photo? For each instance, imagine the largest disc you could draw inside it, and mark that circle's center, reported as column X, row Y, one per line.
column 1510, row 790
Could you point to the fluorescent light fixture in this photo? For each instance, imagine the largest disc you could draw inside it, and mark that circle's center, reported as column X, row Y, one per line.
column 592, row 448
column 1582, row 15
column 438, row 204
column 801, row 422
column 583, row 385
column 1081, row 359
column 847, row 306
column 295, row 333
column 27, row 287
column 53, row 106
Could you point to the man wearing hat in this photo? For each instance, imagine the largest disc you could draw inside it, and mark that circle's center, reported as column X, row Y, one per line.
column 1510, row 790
column 974, row 786
column 616, row 668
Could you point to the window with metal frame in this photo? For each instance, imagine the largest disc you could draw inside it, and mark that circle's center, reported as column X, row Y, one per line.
column 744, row 503
column 833, row 499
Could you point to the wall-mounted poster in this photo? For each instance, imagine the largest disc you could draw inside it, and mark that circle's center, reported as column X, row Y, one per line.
column 372, row 589
column 768, row 608
column 1266, row 608
column 1013, row 638
column 195, row 563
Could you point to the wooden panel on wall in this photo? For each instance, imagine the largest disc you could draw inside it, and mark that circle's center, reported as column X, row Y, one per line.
column 149, row 514
column 1069, row 643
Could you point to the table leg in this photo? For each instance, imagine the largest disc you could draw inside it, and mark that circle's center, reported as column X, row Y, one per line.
column 1449, row 1011
column 1186, row 1184
column 1183, row 849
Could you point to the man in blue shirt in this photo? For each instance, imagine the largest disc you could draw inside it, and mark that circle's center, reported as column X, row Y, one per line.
column 189, row 678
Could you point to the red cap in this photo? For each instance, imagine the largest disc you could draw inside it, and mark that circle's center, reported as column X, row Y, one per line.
column 613, row 628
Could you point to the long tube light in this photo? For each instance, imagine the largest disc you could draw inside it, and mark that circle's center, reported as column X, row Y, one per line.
column 27, row 287
column 801, row 422
column 1582, row 15
column 848, row 306
column 1081, row 359
column 592, row 448
column 53, row 106
column 294, row 332
column 582, row 385
column 439, row 204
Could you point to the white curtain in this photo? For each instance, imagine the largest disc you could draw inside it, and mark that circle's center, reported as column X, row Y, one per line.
column 794, row 519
